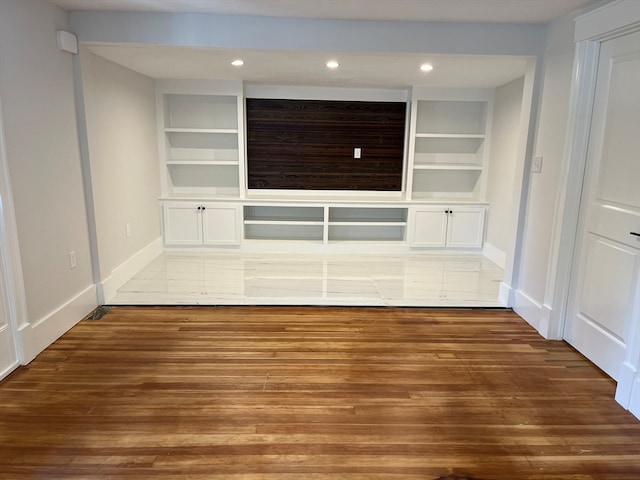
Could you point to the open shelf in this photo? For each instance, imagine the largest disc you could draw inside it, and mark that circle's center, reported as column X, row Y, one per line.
column 367, row 216
column 269, row 222
column 451, row 117
column 449, row 146
column 203, row 145
column 366, row 233
column 201, row 113
column 370, row 224
column 274, row 231
column 432, row 183
column 194, row 178
column 282, row 215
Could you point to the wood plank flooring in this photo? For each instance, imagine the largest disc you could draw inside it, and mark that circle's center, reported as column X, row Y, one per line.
column 312, row 393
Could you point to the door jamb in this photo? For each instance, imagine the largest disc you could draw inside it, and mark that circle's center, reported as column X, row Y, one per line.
column 12, row 281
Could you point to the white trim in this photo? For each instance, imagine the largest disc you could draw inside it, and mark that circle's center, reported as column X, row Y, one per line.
column 626, row 380
column 9, row 369
column 12, row 281
column 564, row 232
column 85, row 159
column 127, row 269
column 634, row 396
column 528, row 309
column 504, row 295
column 293, row 92
column 546, row 318
column 611, row 20
column 37, row 336
column 494, row 254
column 531, row 91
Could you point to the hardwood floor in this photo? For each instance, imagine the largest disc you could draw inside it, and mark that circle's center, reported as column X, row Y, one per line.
column 312, row 393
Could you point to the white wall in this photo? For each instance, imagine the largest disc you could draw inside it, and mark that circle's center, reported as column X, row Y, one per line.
column 544, row 187
column 120, row 110
column 504, row 148
column 37, row 92
column 208, row 30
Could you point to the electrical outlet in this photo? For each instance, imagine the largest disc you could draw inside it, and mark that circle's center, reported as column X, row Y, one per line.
column 357, row 152
column 73, row 261
column 127, row 229
column 536, row 167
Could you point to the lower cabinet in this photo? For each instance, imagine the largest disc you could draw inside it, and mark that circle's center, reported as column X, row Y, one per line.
column 201, row 223
column 195, row 223
column 443, row 226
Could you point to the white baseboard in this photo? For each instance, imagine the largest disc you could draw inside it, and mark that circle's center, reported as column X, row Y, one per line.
column 528, row 309
column 35, row 337
column 634, row 403
column 504, row 294
column 494, row 254
column 628, row 390
column 127, row 269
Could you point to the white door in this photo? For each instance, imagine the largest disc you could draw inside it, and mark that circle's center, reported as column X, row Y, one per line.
column 221, row 224
column 465, row 227
column 606, row 272
column 182, row 223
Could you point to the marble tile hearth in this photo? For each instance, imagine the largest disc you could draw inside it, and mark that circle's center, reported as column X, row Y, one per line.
column 283, row 279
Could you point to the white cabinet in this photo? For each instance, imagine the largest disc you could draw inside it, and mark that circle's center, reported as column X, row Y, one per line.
column 448, row 143
column 201, row 223
column 457, row 226
column 201, row 137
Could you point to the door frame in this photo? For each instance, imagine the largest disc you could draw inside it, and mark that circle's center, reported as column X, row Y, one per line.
column 605, row 23
column 11, row 282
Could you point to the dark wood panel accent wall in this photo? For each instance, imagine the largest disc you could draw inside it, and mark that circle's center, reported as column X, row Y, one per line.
column 309, row 144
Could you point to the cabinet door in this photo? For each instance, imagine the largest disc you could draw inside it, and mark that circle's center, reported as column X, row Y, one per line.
column 428, row 227
column 465, row 227
column 182, row 224
column 221, row 224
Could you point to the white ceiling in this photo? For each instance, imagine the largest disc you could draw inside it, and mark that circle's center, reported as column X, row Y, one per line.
column 499, row 11
column 357, row 70
column 268, row 67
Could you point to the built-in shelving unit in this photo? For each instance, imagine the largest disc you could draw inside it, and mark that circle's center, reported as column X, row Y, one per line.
column 201, row 138
column 206, row 201
column 448, row 143
column 268, row 222
column 325, row 224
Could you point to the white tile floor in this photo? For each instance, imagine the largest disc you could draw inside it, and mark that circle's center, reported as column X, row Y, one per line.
column 282, row 279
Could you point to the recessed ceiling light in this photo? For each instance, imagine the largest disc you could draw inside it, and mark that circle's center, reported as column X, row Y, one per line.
column 332, row 64
column 237, row 63
column 426, row 67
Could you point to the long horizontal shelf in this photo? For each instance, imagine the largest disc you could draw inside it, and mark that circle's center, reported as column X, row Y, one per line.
column 446, row 166
column 203, row 162
column 370, row 223
column 450, row 135
column 200, row 130
column 279, row 221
